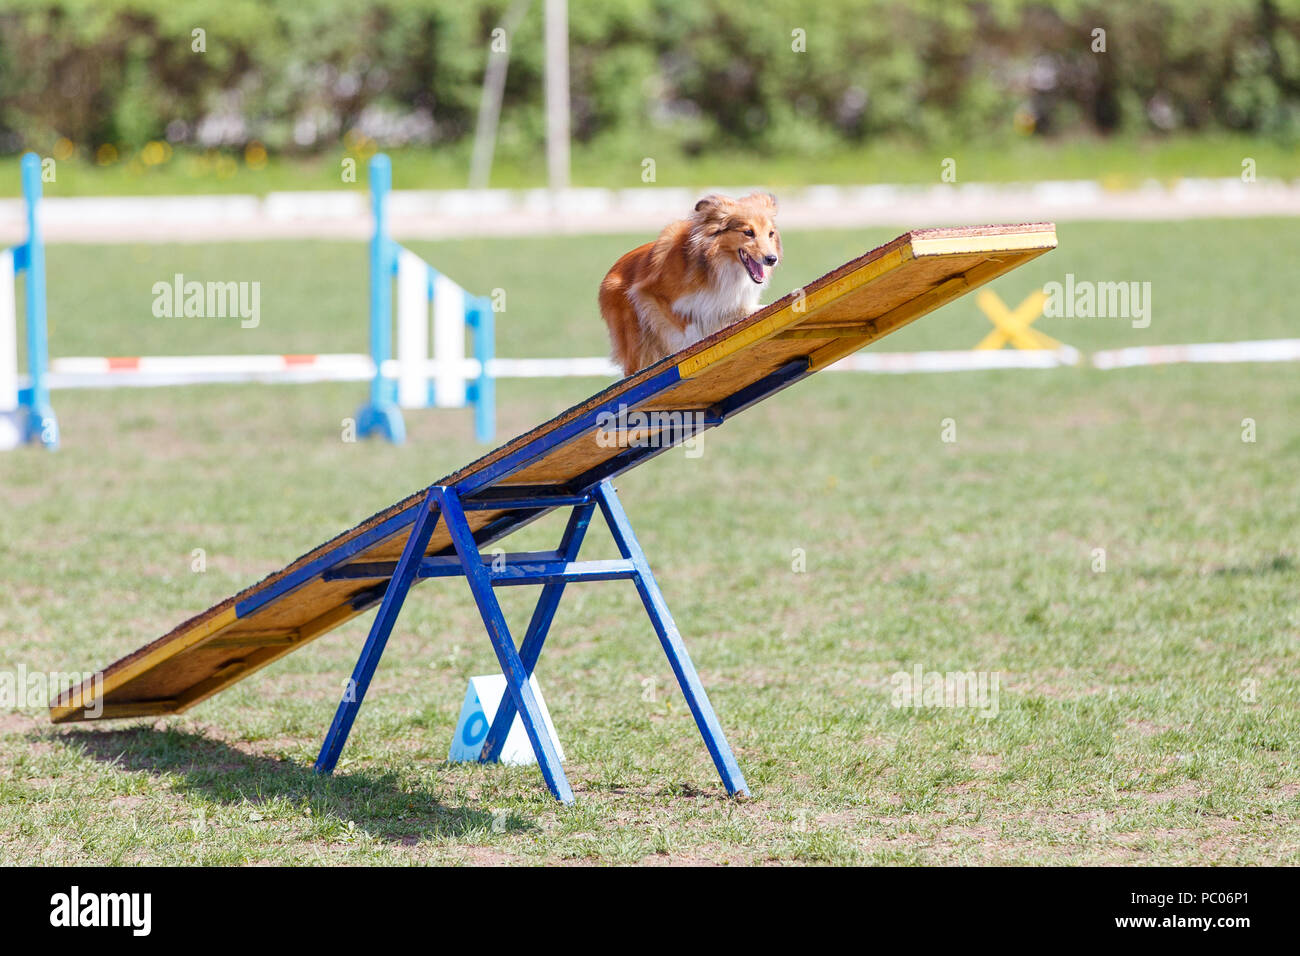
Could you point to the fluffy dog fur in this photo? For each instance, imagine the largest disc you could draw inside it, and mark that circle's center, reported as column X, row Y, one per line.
column 701, row 274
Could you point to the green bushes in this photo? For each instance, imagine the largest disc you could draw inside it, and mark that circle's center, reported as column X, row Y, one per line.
column 698, row 73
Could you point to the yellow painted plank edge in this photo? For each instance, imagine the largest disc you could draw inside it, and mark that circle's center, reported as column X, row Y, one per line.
column 76, row 699
column 788, row 316
column 965, row 245
column 937, row 297
column 265, row 655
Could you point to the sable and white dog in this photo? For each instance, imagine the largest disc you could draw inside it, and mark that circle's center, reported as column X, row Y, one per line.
column 701, row 274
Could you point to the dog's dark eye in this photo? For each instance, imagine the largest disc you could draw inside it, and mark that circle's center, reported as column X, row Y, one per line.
column 771, row 234
column 750, row 233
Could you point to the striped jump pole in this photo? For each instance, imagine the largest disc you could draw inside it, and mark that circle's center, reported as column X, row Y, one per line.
column 25, row 412
column 381, row 414
column 431, row 314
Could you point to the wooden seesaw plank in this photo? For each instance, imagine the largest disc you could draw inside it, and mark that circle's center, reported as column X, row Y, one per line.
column 801, row 333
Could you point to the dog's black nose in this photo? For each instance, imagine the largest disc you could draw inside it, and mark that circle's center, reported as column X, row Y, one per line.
column 770, row 260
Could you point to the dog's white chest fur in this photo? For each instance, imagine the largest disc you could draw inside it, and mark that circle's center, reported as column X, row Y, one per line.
column 734, row 296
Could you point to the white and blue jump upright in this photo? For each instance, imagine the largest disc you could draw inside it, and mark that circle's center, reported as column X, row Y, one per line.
column 431, row 368
column 25, row 412
column 441, row 376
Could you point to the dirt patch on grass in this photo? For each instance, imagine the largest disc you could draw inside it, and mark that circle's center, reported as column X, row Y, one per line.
column 1184, row 791
column 1145, row 728
column 986, row 762
column 17, row 722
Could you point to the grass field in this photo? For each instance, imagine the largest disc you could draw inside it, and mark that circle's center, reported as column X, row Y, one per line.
column 1147, row 713
column 314, row 294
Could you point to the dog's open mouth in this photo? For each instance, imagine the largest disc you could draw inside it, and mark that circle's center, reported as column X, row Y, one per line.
column 756, row 271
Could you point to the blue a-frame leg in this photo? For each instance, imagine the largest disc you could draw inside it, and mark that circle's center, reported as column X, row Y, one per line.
column 394, row 595
column 553, row 570
column 538, row 627
column 671, row 640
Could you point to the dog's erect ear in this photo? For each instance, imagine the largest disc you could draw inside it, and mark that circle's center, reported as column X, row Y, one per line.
column 713, row 204
column 763, row 199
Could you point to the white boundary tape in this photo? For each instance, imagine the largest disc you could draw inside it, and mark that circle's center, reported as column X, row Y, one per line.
column 1262, row 350
column 160, row 370
column 956, row 361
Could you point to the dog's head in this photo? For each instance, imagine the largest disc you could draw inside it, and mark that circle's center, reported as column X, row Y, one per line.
column 739, row 232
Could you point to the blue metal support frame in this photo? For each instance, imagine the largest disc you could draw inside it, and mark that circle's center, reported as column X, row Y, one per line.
column 671, row 639
column 553, row 570
column 395, row 595
column 538, row 627
column 525, row 567
column 485, row 489
column 521, row 691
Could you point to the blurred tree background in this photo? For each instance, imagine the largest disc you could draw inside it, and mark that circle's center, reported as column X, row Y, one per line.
column 295, row 77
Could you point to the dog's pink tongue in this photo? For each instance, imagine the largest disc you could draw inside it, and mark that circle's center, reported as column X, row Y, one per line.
column 756, row 269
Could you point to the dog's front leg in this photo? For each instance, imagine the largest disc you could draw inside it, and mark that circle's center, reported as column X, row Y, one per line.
column 663, row 331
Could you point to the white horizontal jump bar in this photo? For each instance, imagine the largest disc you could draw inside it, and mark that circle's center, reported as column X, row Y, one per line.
column 554, row 368
column 158, row 370
column 150, row 371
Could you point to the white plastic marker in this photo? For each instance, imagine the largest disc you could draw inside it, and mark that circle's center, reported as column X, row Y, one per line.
column 482, row 698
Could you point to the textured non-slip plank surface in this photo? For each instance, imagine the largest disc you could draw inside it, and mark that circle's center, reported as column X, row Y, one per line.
column 856, row 304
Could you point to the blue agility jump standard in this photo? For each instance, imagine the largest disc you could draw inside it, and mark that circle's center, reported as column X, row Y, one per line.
column 416, row 338
column 28, row 405
column 455, row 313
